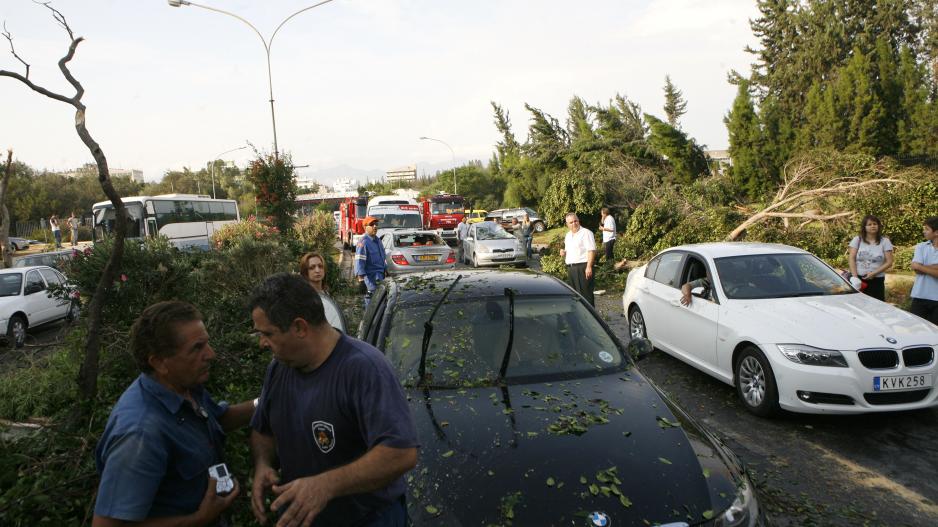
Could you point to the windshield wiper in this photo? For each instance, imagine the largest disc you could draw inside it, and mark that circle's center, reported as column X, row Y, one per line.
column 510, row 293
column 811, row 293
column 428, row 331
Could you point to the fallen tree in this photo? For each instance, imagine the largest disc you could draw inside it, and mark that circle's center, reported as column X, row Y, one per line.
column 810, row 188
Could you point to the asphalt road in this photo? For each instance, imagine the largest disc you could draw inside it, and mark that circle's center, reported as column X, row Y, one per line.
column 872, row 469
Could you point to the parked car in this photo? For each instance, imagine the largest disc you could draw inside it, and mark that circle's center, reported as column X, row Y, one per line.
column 26, row 302
column 784, row 328
column 508, row 372
column 487, row 243
column 52, row 259
column 409, row 251
column 504, row 217
column 18, row 244
column 476, row 215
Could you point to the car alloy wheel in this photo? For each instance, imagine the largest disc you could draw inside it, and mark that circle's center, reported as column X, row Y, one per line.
column 637, row 324
column 16, row 333
column 755, row 383
column 475, row 262
column 539, row 227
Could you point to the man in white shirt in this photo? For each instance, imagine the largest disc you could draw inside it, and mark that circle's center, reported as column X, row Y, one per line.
column 607, row 224
column 579, row 251
column 462, row 230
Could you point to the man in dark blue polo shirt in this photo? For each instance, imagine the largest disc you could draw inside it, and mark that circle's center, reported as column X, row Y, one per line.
column 165, row 430
column 332, row 413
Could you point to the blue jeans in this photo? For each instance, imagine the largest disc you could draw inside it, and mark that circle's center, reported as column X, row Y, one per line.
column 58, row 238
column 394, row 515
column 371, row 283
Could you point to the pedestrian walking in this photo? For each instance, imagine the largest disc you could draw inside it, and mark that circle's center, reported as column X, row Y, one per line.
column 56, row 231
column 607, row 224
column 925, row 265
column 73, row 226
column 528, row 230
column 462, row 230
column 579, row 252
column 518, row 233
column 370, row 263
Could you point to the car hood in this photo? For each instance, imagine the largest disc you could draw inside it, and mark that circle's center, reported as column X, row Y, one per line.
column 841, row 322
column 521, row 454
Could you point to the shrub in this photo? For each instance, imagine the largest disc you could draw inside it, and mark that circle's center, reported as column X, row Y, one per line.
column 650, row 222
column 249, row 228
column 316, row 232
column 553, row 264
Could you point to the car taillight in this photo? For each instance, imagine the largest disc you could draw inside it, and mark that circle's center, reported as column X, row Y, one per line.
column 451, row 258
column 399, row 259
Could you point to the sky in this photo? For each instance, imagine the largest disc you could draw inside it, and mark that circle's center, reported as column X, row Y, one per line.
column 356, row 83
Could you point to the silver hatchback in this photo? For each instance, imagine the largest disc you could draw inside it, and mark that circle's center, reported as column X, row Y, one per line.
column 413, row 250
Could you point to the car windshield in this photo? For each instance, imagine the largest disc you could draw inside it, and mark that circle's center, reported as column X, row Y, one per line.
column 10, row 284
column 398, row 221
column 554, row 337
column 449, row 207
column 492, row 232
column 778, row 276
column 417, row 239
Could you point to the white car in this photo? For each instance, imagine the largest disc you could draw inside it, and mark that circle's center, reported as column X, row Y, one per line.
column 487, row 243
column 783, row 328
column 25, row 301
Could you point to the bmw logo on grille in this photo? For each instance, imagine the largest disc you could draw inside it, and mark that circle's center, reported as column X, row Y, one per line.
column 891, row 340
column 600, row 519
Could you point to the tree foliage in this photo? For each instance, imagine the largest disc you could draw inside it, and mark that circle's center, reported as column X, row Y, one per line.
column 276, row 189
column 674, row 104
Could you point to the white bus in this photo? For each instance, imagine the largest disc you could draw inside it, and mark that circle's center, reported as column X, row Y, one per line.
column 188, row 220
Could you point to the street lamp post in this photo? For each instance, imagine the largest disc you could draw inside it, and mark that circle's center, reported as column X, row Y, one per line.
column 267, row 47
column 451, row 152
column 213, row 165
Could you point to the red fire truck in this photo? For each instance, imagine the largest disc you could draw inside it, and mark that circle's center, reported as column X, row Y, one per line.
column 351, row 213
column 443, row 212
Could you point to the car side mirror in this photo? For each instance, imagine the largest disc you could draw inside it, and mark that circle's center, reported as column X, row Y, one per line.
column 640, row 348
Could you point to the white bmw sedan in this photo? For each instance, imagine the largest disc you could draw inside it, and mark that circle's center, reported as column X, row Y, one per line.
column 784, row 328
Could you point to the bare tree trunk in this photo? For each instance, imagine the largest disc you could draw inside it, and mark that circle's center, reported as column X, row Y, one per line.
column 5, row 219
column 88, row 373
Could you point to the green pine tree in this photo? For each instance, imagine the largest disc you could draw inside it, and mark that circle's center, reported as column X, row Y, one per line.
column 686, row 157
column 745, row 138
column 674, row 104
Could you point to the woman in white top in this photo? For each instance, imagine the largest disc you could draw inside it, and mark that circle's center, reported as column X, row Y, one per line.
column 313, row 269
column 870, row 256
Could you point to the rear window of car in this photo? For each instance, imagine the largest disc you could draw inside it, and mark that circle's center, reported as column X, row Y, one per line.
column 417, row 239
column 553, row 336
column 10, row 284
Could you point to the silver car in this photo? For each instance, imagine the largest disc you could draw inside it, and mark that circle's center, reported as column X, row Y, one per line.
column 412, row 250
column 489, row 244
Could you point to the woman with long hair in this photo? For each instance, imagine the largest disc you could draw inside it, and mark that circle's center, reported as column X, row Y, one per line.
column 313, row 269
column 870, row 256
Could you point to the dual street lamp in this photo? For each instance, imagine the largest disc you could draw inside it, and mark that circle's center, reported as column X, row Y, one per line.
column 267, row 47
column 451, row 152
column 219, row 157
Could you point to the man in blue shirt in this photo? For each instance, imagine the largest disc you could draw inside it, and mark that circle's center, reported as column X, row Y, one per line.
column 925, row 264
column 332, row 416
column 165, row 430
column 370, row 263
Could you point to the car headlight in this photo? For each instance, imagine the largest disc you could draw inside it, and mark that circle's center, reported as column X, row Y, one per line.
column 744, row 512
column 811, row 356
column 483, row 248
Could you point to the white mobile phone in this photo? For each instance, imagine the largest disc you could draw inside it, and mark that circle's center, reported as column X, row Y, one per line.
column 223, row 481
